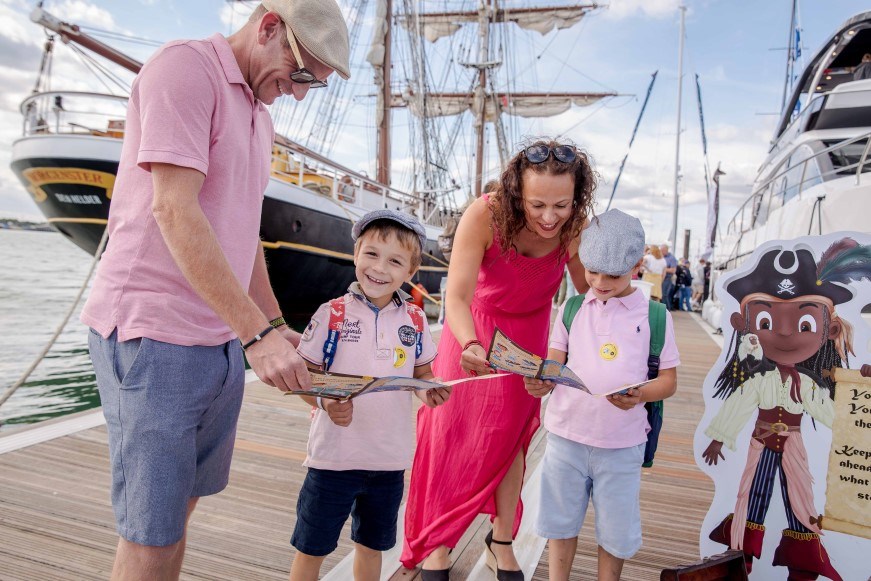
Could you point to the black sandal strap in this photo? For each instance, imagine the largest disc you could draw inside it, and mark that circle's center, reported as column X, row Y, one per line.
column 492, row 540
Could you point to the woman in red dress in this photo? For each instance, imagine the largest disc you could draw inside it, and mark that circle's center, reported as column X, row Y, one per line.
column 510, row 251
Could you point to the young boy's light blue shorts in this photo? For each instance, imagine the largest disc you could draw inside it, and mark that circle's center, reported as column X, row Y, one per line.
column 171, row 415
column 572, row 474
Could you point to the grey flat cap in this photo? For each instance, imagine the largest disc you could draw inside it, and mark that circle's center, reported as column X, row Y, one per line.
column 612, row 244
column 318, row 25
column 402, row 218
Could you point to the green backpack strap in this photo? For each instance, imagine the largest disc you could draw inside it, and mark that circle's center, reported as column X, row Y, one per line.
column 573, row 305
column 656, row 318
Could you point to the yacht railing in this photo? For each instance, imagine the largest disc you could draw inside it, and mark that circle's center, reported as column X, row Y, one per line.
column 103, row 115
column 747, row 216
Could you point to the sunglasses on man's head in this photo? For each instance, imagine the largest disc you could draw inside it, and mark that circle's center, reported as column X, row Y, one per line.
column 302, row 75
column 540, row 153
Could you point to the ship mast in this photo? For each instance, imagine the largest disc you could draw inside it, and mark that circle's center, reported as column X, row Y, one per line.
column 482, row 65
column 383, row 159
column 484, row 103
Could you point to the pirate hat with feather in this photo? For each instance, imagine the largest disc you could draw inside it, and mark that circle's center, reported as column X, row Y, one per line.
column 788, row 274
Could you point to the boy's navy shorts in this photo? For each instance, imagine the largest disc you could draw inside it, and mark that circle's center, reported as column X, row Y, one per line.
column 328, row 497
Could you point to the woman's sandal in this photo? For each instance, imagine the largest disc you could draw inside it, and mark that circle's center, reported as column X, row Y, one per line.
column 434, row 574
column 501, row 574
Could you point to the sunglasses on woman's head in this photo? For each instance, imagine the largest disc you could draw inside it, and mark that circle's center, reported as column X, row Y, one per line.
column 540, row 153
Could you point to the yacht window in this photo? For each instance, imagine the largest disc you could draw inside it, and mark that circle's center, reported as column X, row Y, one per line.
column 846, row 159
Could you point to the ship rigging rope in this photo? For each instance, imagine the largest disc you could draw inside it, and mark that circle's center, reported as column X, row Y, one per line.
column 63, row 323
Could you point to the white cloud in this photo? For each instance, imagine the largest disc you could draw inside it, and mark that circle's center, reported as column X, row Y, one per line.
column 235, row 14
column 619, row 9
column 83, row 13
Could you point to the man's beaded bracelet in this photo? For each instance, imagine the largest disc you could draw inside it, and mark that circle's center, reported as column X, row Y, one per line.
column 257, row 337
column 472, row 342
column 277, row 322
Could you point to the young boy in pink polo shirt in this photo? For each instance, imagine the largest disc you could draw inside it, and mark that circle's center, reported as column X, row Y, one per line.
column 358, row 450
column 595, row 447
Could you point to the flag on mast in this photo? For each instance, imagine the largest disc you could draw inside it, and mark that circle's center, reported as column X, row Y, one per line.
column 713, row 212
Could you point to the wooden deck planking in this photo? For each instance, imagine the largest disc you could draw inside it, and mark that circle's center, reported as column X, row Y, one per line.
column 56, row 520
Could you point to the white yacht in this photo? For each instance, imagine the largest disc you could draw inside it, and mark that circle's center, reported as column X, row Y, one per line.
column 812, row 181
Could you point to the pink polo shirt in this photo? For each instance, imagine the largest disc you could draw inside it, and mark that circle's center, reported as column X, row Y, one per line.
column 622, row 325
column 189, row 107
column 377, row 343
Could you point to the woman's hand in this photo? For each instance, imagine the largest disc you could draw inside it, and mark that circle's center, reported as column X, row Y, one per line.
column 626, row 401
column 537, row 387
column 713, row 452
column 865, row 370
column 474, row 360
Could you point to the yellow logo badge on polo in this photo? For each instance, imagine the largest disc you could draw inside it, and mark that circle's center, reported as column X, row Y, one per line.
column 398, row 357
column 608, row 351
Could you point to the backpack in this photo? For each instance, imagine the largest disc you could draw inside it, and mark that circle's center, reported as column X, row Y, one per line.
column 337, row 321
column 656, row 319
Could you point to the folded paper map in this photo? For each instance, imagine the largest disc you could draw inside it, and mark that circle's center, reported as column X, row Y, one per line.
column 342, row 386
column 507, row 355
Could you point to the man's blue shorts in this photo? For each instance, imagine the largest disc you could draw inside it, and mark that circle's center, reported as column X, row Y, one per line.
column 328, row 497
column 171, row 415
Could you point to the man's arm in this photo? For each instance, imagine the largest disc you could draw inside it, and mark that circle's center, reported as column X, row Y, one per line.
column 196, row 251
column 261, row 293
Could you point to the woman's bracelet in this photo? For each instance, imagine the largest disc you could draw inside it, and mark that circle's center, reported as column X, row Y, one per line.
column 472, row 342
column 320, row 403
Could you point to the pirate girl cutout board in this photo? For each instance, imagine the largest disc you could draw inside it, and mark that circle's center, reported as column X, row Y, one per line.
column 786, row 434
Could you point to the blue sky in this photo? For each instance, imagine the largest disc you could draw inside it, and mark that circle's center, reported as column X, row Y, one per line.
column 735, row 47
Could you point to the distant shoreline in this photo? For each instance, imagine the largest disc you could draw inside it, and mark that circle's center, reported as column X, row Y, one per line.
column 12, row 224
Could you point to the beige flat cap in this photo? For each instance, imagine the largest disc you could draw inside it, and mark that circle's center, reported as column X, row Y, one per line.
column 318, row 25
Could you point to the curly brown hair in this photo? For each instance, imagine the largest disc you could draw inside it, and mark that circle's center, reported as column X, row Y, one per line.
column 506, row 203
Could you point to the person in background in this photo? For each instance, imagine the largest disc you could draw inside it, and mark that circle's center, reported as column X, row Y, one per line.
column 683, row 283
column 698, row 286
column 182, row 288
column 358, row 450
column 707, row 290
column 668, row 284
column 595, row 445
column 511, row 249
column 654, row 266
column 863, row 69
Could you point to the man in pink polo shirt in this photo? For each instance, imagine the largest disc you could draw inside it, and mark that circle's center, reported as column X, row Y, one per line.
column 182, row 287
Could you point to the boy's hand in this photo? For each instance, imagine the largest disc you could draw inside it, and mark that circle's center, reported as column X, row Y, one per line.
column 537, row 387
column 341, row 412
column 626, row 401
column 434, row 397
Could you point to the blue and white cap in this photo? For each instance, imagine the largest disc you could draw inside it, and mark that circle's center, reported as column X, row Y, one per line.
column 402, row 218
column 612, row 244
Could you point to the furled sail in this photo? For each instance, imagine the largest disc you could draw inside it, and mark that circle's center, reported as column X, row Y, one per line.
column 526, row 105
column 541, row 20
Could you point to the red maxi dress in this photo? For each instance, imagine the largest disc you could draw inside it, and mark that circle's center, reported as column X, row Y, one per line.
column 466, row 446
